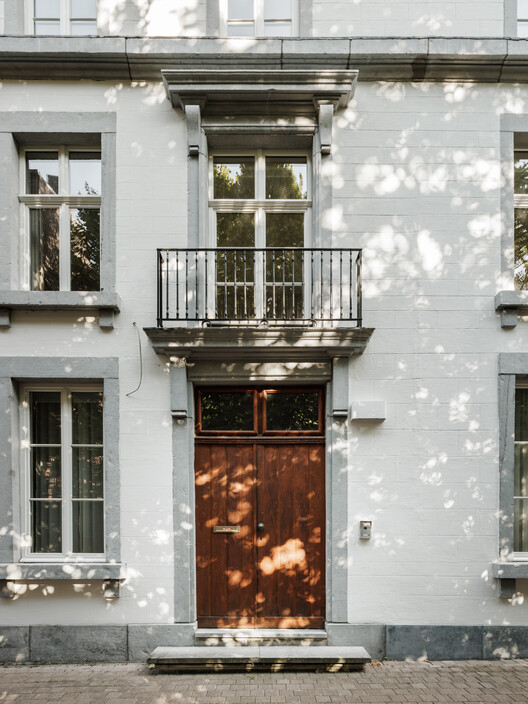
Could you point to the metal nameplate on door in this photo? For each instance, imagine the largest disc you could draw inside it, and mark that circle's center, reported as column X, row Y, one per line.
column 226, row 529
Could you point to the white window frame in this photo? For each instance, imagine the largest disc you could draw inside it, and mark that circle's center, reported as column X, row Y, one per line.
column 27, row 554
column 522, row 22
column 519, row 556
column 260, row 205
column 63, row 201
column 64, row 18
column 258, row 19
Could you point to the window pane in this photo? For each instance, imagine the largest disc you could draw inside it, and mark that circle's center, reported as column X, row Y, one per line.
column 235, row 230
column 45, row 409
column 521, row 415
column 240, row 9
column 44, row 236
column 521, row 248
column 87, row 418
column 85, row 249
column 277, row 29
column 88, row 526
column 226, row 410
column 85, row 173
column 82, row 29
column 286, row 177
column 277, row 9
column 83, row 9
column 522, row 9
column 522, row 30
column 45, row 472
column 43, row 28
column 234, row 177
column 87, row 472
column 240, row 29
column 292, row 411
column 520, row 179
column 47, row 8
column 42, row 173
column 284, row 229
column 520, row 532
column 46, row 524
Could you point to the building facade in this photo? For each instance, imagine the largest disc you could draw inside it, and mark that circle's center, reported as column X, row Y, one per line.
column 263, row 348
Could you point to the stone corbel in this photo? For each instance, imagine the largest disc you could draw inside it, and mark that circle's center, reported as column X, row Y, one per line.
column 5, row 592
column 194, row 127
column 326, row 117
column 112, row 588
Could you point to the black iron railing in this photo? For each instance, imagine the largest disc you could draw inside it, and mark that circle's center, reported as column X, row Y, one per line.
column 280, row 285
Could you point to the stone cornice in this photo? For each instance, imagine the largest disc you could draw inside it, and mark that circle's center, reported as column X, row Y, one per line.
column 275, row 343
column 388, row 58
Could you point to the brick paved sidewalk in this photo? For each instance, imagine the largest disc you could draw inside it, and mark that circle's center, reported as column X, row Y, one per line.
column 380, row 683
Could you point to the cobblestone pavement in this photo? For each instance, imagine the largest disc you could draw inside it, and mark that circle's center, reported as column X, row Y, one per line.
column 380, row 683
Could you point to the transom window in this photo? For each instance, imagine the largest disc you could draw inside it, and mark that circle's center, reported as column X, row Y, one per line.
column 260, row 411
column 74, row 17
column 63, row 475
column 260, row 208
column 61, row 197
column 259, row 18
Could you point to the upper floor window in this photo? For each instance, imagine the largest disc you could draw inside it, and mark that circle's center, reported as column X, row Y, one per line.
column 259, row 18
column 521, row 219
column 260, row 201
column 522, row 18
column 73, row 17
column 61, row 199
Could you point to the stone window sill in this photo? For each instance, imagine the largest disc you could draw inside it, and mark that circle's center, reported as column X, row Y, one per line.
column 111, row 574
column 511, row 304
column 507, row 573
column 103, row 302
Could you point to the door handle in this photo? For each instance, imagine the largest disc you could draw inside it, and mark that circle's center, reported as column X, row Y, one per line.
column 260, row 527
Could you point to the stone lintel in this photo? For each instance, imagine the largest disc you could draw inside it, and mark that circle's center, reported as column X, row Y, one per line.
column 285, row 344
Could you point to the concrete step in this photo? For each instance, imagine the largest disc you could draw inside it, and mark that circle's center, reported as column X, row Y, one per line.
column 237, row 637
column 276, row 658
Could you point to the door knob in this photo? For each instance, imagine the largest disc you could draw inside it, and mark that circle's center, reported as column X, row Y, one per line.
column 260, row 527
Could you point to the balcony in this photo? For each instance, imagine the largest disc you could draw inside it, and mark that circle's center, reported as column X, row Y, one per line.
column 273, row 303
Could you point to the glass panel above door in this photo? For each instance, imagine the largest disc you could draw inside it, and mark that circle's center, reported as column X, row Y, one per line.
column 292, row 411
column 227, row 410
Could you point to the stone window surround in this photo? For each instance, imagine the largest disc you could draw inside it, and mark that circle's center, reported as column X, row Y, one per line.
column 506, row 569
column 57, row 370
column 510, row 18
column 212, row 23
column 51, row 128
column 509, row 302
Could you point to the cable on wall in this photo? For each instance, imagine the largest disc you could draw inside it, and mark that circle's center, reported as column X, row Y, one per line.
column 140, row 363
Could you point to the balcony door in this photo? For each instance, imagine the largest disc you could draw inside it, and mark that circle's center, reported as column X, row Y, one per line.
column 260, row 508
column 260, row 211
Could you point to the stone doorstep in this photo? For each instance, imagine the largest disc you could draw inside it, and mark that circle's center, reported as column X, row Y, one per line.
column 275, row 658
column 238, row 637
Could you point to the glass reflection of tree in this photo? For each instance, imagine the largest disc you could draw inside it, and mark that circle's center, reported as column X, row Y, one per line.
column 521, row 226
column 85, row 248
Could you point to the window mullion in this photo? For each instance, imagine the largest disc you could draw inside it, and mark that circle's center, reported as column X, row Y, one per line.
column 65, row 16
column 66, row 439
column 258, row 9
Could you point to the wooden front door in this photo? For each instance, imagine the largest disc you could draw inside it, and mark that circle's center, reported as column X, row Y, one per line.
column 260, row 508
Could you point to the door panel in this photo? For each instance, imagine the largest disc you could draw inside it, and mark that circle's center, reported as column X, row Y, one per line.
column 225, row 562
column 290, row 554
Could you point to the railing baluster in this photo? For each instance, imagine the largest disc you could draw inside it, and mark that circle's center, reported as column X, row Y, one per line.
column 340, row 284
column 235, row 284
column 216, row 285
column 284, row 284
column 225, row 285
column 206, row 279
column 359, row 292
column 331, row 258
column 321, row 283
column 177, row 285
column 167, row 286
column 196, row 283
column 273, row 280
column 350, row 305
column 293, row 285
column 245, row 283
column 312, row 286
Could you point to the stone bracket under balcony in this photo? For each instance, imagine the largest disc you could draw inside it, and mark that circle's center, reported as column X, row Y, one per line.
column 271, row 343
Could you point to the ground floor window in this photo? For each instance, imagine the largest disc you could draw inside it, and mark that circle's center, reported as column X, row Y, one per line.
column 520, row 513
column 63, row 470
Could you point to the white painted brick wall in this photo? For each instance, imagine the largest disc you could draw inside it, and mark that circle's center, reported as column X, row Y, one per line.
column 417, row 188
column 162, row 18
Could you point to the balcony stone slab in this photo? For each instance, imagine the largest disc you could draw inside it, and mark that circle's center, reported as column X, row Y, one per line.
column 261, row 344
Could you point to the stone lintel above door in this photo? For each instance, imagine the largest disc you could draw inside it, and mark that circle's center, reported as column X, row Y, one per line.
column 272, row 344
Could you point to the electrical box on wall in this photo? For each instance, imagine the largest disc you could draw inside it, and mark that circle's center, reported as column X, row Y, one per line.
column 365, row 528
